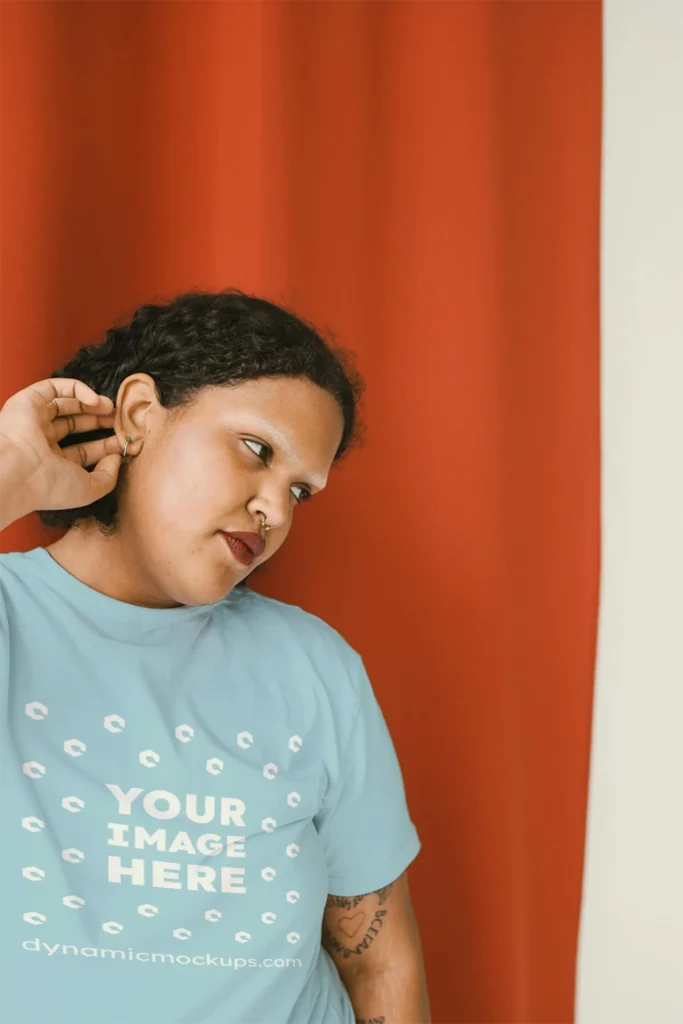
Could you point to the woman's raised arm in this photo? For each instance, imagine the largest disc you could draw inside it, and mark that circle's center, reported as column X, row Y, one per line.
column 35, row 473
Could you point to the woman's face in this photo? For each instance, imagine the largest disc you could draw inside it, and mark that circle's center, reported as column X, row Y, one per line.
column 260, row 446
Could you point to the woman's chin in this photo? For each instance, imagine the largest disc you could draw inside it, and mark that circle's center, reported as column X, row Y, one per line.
column 207, row 590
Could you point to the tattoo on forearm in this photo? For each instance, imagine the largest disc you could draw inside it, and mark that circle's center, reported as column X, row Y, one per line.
column 349, row 902
column 383, row 893
column 371, row 1020
column 354, row 925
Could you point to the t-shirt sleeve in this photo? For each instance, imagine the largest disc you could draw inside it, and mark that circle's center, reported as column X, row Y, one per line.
column 368, row 836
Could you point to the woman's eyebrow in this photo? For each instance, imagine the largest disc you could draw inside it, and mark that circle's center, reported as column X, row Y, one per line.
column 285, row 447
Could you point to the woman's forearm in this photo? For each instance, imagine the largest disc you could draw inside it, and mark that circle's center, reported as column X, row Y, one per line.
column 389, row 997
column 14, row 502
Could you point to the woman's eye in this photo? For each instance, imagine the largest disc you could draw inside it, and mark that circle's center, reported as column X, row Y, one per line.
column 300, row 493
column 260, row 444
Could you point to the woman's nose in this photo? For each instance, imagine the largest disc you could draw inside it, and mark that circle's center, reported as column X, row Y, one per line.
column 276, row 512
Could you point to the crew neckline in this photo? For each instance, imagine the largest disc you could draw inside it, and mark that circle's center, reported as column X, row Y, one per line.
column 95, row 603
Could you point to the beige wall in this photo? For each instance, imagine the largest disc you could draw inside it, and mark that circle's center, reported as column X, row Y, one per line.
column 630, row 966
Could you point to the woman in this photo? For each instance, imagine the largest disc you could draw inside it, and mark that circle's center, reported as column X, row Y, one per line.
column 203, row 816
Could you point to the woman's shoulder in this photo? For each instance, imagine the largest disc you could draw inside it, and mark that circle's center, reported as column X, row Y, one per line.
column 12, row 572
column 15, row 566
column 303, row 627
column 18, row 560
column 14, row 558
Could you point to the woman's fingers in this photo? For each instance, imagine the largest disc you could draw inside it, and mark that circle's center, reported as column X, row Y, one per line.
column 72, row 406
column 79, row 424
column 89, row 398
column 69, row 387
column 92, row 451
column 68, row 407
column 103, row 478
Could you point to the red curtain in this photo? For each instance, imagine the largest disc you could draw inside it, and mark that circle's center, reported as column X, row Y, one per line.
column 422, row 178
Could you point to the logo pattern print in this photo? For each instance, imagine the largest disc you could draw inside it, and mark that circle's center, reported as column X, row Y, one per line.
column 184, row 733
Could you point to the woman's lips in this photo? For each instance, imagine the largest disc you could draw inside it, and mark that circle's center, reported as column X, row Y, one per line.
column 244, row 545
column 239, row 549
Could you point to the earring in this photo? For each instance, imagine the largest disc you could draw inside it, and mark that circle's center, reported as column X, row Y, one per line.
column 123, row 453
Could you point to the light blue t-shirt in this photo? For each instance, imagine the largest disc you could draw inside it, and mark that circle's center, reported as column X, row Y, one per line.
column 181, row 789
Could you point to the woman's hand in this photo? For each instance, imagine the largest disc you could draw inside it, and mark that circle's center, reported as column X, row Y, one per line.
column 36, row 472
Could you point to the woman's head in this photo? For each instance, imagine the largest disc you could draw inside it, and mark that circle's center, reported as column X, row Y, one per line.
column 237, row 408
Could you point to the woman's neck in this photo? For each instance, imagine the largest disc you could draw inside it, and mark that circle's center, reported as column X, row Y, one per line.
column 109, row 564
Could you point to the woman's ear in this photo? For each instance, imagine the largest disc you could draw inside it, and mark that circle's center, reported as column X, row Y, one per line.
column 137, row 403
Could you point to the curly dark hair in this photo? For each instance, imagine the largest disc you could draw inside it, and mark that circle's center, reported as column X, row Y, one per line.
column 207, row 338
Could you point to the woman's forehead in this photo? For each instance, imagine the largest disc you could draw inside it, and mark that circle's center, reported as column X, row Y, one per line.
column 295, row 428
column 264, row 394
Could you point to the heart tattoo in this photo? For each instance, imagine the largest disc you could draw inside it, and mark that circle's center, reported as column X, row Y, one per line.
column 350, row 925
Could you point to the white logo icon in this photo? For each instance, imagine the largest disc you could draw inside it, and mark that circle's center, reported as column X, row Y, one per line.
column 36, row 710
column 242, row 936
column 33, row 874
column 73, row 855
column 149, row 758
column 33, row 917
column 213, row 915
column 270, row 770
column 72, row 803
column 245, row 739
column 292, row 896
column 147, row 910
column 184, row 733
column 292, row 850
column 214, row 765
column 74, row 747
column 181, row 933
column 268, row 917
column 293, row 937
column 73, row 902
column 268, row 874
column 295, row 743
column 293, row 799
column 34, row 769
column 32, row 824
column 114, row 723
column 268, row 824
column 112, row 927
